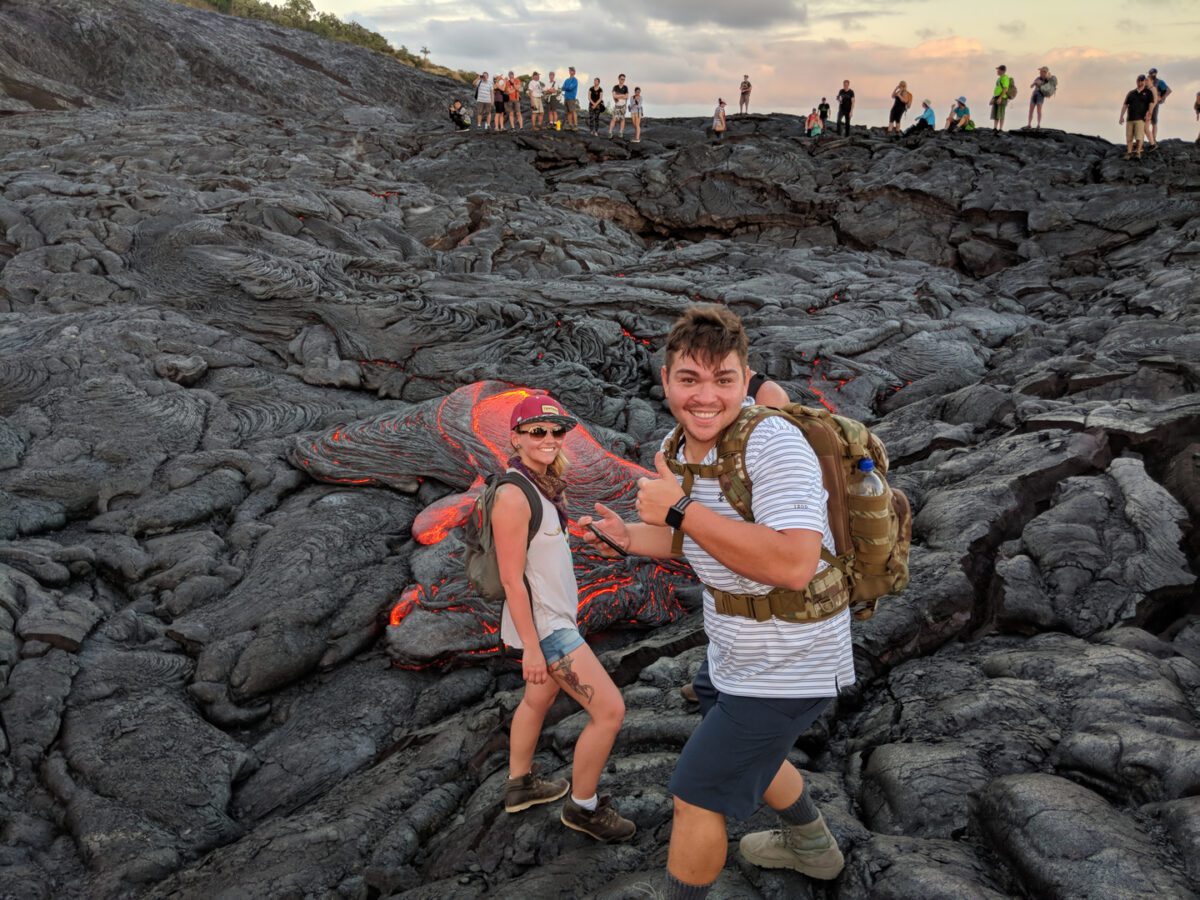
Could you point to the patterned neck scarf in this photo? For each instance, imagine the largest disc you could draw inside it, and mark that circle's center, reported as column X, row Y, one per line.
column 553, row 486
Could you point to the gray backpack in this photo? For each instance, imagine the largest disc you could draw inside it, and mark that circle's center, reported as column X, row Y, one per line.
column 479, row 559
column 1049, row 86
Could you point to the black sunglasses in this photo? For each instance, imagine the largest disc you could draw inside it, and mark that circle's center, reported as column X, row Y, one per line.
column 539, row 432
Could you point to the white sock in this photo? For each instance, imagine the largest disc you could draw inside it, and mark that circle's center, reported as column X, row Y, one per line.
column 589, row 804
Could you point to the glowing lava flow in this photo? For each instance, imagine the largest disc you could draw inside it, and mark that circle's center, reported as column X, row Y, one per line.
column 459, row 440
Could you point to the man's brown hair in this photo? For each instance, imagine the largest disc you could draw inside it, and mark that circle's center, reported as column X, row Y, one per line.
column 707, row 333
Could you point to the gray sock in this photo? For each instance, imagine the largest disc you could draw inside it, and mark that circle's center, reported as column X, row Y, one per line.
column 803, row 811
column 678, row 890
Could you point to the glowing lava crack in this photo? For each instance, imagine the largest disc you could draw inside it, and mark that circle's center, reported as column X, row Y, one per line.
column 459, row 440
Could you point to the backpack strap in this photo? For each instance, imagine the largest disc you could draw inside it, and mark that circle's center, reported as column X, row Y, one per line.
column 531, row 494
column 689, row 473
column 826, row 595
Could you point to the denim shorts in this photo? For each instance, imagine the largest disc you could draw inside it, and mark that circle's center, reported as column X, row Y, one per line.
column 558, row 644
column 735, row 752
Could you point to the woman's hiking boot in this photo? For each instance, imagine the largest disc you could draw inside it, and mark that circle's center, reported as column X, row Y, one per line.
column 530, row 790
column 604, row 823
column 808, row 849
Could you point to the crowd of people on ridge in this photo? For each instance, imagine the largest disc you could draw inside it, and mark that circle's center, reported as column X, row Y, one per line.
column 556, row 106
column 553, row 105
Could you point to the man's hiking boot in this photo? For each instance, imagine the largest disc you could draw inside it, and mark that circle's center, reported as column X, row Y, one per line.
column 808, row 849
column 688, row 692
column 604, row 824
column 530, row 790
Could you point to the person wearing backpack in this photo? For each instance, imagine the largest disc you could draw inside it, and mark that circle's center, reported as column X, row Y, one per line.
column 1043, row 86
column 901, row 101
column 766, row 677
column 483, row 100
column 960, row 116
column 1161, row 91
column 1004, row 91
column 541, row 599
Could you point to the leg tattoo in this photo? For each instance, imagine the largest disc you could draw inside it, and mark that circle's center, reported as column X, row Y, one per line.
column 562, row 669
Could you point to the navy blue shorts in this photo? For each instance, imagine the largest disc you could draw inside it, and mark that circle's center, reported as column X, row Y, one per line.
column 735, row 752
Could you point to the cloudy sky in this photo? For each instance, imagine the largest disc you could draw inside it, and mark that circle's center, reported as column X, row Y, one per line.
column 686, row 53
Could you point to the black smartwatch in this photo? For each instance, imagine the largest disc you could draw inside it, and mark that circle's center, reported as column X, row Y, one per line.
column 675, row 513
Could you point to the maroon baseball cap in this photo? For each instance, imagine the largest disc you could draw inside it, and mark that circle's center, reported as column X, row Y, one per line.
column 541, row 408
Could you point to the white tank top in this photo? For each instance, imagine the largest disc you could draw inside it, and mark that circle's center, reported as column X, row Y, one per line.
column 551, row 574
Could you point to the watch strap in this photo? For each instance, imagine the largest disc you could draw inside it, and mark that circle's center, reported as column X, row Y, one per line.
column 675, row 513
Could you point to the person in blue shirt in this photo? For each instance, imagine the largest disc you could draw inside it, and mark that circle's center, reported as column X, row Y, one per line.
column 926, row 121
column 1161, row 91
column 570, row 93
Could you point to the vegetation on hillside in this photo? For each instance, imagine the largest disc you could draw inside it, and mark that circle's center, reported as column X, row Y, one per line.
column 303, row 14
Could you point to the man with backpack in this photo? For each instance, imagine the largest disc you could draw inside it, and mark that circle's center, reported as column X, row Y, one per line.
column 1004, row 91
column 1161, row 91
column 483, row 99
column 775, row 611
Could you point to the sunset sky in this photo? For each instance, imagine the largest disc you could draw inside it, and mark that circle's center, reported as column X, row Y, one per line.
column 686, row 53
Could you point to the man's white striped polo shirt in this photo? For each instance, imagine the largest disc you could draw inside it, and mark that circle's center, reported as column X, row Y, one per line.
column 772, row 658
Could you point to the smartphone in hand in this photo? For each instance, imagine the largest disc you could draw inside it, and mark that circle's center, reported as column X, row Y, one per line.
column 605, row 539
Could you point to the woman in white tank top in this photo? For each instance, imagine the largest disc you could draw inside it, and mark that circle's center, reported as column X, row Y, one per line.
column 539, row 616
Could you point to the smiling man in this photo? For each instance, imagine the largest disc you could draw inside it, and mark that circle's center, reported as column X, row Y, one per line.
column 775, row 615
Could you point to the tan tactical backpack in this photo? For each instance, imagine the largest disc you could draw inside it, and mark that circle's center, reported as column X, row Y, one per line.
column 872, row 534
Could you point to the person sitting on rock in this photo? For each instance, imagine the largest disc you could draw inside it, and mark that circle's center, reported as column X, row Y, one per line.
column 960, row 115
column 812, row 125
column 458, row 116
column 763, row 682
column 539, row 616
column 926, row 121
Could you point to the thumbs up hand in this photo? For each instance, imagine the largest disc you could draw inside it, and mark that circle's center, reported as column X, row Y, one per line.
column 657, row 495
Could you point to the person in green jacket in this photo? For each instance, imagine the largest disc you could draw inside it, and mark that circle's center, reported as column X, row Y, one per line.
column 1000, row 97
